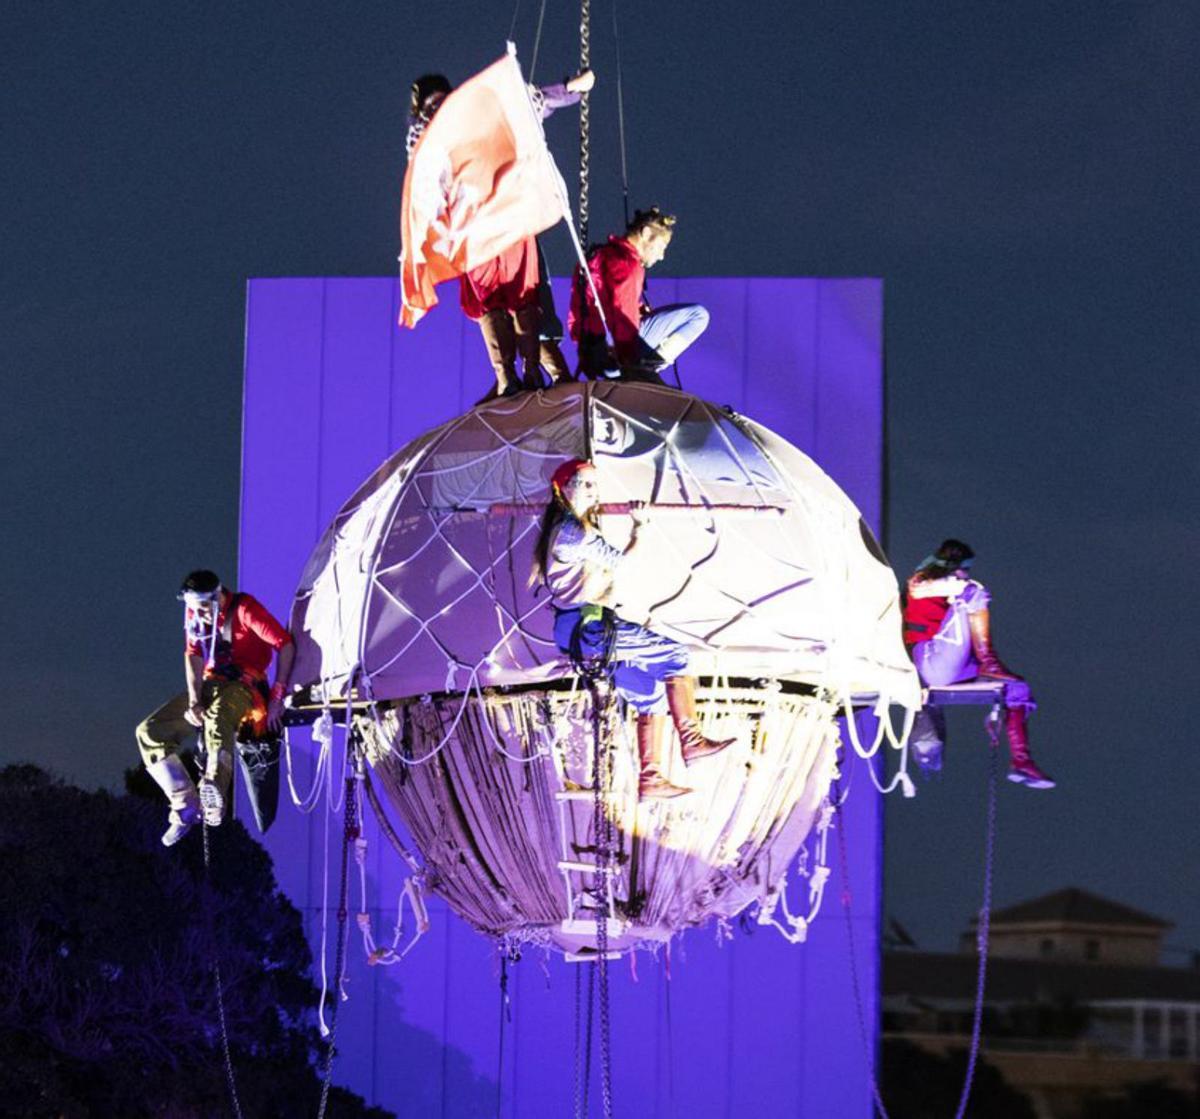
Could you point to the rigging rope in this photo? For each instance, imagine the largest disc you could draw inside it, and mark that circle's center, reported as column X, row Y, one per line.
column 350, row 833
column 537, row 41
column 503, row 1017
column 218, row 983
column 602, row 697
column 992, row 724
column 621, row 135
column 230, row 1079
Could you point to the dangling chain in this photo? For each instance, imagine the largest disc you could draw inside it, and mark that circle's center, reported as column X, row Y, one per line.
column 601, row 688
column 585, row 63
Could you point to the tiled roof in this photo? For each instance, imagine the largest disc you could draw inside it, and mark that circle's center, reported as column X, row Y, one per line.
column 1078, row 907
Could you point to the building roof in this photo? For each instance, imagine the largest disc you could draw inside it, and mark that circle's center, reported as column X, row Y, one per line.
column 950, row 977
column 1075, row 906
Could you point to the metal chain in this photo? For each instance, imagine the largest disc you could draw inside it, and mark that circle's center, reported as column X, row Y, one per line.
column 230, row 1079
column 349, row 833
column 585, row 63
column 580, row 1081
column 602, row 829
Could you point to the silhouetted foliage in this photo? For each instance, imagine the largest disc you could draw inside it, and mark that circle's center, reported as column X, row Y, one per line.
column 921, row 1085
column 107, row 999
column 1150, row 1100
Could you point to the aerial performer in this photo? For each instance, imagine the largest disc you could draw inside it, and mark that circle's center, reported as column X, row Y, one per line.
column 580, row 569
column 645, row 341
column 947, row 628
column 230, row 639
column 509, row 294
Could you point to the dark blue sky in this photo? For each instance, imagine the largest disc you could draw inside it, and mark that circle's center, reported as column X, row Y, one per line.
column 1023, row 176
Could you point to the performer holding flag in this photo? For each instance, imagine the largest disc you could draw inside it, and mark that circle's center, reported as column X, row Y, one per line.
column 480, row 185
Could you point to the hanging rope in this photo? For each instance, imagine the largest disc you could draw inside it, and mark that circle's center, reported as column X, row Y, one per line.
column 585, row 146
column 994, row 720
column 621, row 134
column 504, row 1016
column 512, row 27
column 230, row 1079
column 537, row 41
column 350, row 833
column 601, row 689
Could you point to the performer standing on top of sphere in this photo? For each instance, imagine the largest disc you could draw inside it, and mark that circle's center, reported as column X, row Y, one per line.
column 645, row 341
column 506, row 294
column 579, row 567
column 229, row 641
column 947, row 627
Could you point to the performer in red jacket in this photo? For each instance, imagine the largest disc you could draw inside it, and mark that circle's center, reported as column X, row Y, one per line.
column 230, row 640
column 947, row 628
column 645, row 341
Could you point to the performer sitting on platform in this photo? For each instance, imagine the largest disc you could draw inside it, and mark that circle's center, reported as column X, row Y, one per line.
column 579, row 567
column 229, row 641
column 947, row 627
column 644, row 341
column 506, row 296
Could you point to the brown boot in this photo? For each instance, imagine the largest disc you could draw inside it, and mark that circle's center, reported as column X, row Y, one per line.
column 529, row 343
column 980, row 624
column 1024, row 770
column 652, row 745
column 500, row 338
column 554, row 363
column 681, row 697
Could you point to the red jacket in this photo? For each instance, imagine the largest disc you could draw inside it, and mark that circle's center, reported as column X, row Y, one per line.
column 247, row 636
column 923, row 617
column 620, row 278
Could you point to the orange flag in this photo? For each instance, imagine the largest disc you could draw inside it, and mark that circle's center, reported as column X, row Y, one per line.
column 479, row 180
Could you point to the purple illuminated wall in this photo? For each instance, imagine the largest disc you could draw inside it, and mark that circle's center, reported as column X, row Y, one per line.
column 750, row 1027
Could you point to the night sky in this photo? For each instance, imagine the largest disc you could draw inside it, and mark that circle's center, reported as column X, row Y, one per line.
column 1023, row 176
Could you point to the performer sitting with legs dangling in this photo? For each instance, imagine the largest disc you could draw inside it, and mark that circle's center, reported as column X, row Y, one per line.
column 578, row 567
column 645, row 341
column 947, row 627
column 229, row 641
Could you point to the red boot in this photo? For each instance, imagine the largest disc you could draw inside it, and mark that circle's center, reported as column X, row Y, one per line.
column 1024, row 770
column 652, row 744
column 991, row 665
column 681, row 698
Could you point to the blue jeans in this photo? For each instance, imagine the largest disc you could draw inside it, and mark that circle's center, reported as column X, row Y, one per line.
column 683, row 322
column 642, row 659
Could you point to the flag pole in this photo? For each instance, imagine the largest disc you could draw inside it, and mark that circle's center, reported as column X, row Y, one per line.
column 564, row 198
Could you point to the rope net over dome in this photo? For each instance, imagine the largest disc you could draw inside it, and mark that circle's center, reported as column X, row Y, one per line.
column 416, row 606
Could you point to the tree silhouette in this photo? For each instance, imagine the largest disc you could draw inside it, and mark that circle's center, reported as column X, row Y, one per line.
column 107, row 999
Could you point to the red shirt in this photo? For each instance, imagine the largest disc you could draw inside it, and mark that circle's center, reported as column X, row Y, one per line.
column 620, row 278
column 506, row 283
column 923, row 618
column 247, row 637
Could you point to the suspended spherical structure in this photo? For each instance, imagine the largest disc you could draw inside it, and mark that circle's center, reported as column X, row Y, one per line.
column 417, row 605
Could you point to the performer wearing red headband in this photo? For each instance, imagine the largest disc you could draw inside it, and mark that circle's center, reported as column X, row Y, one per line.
column 579, row 567
column 229, row 642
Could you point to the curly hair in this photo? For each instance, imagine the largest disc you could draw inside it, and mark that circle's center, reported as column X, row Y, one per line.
column 653, row 218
